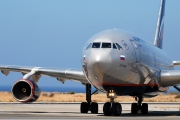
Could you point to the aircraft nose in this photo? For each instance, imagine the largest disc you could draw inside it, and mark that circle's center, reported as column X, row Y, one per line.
column 100, row 61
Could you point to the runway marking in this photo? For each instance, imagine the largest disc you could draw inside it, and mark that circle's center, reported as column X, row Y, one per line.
column 64, row 111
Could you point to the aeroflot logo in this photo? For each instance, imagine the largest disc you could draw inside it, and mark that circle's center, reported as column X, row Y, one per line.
column 160, row 36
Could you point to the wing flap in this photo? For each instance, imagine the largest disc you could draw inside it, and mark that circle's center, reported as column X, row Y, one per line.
column 6, row 68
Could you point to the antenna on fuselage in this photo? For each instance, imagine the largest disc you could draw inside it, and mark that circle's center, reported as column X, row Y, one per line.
column 160, row 26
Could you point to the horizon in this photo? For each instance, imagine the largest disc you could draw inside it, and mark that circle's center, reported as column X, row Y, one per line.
column 65, row 89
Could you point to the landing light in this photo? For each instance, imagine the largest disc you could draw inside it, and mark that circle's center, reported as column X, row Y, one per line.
column 111, row 94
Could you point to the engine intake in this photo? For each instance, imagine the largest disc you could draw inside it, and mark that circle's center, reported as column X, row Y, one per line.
column 25, row 91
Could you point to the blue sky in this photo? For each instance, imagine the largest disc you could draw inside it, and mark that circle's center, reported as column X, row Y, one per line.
column 52, row 33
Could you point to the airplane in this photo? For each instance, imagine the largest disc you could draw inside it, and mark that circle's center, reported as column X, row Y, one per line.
column 114, row 61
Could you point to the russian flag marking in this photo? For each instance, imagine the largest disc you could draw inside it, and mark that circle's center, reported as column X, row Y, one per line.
column 122, row 57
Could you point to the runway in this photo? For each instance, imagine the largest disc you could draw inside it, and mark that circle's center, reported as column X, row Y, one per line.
column 72, row 111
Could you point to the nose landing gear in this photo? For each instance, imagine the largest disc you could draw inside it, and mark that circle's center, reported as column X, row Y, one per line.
column 139, row 106
column 112, row 108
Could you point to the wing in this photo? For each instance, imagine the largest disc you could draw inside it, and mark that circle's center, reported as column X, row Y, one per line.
column 36, row 72
column 170, row 77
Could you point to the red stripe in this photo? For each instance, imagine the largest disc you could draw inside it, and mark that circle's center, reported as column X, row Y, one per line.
column 128, row 85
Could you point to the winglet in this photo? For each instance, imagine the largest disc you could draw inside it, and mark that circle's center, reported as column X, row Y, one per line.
column 160, row 26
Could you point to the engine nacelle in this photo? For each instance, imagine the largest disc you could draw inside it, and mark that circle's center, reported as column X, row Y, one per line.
column 25, row 91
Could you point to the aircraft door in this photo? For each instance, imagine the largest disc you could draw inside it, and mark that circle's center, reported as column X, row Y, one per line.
column 136, row 50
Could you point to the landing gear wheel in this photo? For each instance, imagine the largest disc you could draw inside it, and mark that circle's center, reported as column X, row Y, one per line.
column 134, row 108
column 94, row 108
column 107, row 109
column 144, row 108
column 84, row 107
column 116, row 109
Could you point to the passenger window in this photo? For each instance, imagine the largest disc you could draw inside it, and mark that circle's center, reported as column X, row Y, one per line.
column 89, row 46
column 114, row 46
column 96, row 45
column 106, row 45
column 118, row 46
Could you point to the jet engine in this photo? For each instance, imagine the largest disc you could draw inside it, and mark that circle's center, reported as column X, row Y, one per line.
column 25, row 91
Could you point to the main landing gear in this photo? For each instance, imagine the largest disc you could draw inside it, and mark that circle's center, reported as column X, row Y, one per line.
column 111, row 108
column 89, row 106
column 135, row 107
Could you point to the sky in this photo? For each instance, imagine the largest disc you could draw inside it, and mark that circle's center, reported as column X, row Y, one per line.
column 52, row 33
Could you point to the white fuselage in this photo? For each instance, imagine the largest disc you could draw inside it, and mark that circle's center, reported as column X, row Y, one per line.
column 119, row 60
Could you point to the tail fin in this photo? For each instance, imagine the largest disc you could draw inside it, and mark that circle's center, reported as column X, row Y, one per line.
column 160, row 26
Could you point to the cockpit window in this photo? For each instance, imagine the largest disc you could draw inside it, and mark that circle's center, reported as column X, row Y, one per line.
column 118, row 46
column 96, row 45
column 89, row 46
column 114, row 46
column 106, row 45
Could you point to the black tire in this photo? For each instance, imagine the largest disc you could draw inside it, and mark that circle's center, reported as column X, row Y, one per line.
column 84, row 107
column 144, row 108
column 116, row 109
column 94, row 108
column 107, row 109
column 134, row 108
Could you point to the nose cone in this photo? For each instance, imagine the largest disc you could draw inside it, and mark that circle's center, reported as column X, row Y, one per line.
column 100, row 62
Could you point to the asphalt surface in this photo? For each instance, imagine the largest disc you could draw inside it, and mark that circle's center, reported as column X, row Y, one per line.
column 71, row 111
